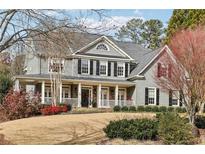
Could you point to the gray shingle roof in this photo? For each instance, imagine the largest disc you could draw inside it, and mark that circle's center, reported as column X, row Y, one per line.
column 141, row 55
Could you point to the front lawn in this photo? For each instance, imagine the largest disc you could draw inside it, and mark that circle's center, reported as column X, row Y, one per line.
column 63, row 129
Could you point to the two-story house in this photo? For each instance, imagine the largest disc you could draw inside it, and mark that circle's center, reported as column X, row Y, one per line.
column 102, row 70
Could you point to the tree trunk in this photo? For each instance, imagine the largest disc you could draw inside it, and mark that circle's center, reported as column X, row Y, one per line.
column 202, row 108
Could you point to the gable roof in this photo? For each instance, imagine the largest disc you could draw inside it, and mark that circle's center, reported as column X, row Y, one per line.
column 141, row 56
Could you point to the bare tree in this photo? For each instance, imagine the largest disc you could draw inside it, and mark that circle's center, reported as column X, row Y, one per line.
column 186, row 69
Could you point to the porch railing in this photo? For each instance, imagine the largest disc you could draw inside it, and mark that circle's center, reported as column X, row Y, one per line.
column 71, row 101
column 111, row 103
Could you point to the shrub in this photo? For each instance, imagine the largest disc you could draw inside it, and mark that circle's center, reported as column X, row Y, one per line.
column 180, row 109
column 142, row 129
column 155, row 109
column 69, row 106
column 174, row 130
column 117, row 108
column 162, row 109
column 140, row 108
column 170, row 109
column 200, row 122
column 148, row 109
column 158, row 115
column 124, row 109
column 132, row 109
column 18, row 105
column 51, row 110
column 5, row 85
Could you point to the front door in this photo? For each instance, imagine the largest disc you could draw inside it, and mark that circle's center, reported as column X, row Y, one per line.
column 104, row 97
column 86, row 97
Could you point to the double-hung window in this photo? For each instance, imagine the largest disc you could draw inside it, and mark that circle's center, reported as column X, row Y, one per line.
column 151, row 96
column 175, row 98
column 103, row 68
column 85, row 66
column 56, row 65
column 120, row 69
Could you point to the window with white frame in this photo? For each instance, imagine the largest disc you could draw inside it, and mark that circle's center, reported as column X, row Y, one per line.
column 175, row 98
column 103, row 68
column 84, row 66
column 102, row 46
column 120, row 69
column 56, row 65
column 151, row 96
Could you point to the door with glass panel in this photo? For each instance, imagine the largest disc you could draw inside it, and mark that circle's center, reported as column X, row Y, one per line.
column 66, row 94
column 48, row 98
column 121, row 97
column 104, row 97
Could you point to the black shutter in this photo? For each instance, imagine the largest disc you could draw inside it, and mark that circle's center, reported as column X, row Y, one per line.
column 170, row 97
column 109, row 68
column 97, row 67
column 126, row 69
column 180, row 98
column 115, row 68
column 157, row 96
column 79, row 66
column 91, row 67
column 146, row 96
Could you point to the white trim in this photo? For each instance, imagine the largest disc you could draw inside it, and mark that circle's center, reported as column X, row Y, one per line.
column 106, row 40
column 98, row 57
column 163, row 49
column 155, row 95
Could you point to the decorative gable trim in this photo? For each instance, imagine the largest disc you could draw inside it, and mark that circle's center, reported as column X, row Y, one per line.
column 120, row 51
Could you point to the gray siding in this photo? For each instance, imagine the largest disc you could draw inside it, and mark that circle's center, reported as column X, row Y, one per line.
column 150, row 82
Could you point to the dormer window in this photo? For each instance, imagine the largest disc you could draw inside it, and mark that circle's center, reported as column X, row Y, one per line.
column 102, row 46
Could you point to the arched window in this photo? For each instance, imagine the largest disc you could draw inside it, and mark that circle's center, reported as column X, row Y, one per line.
column 102, row 47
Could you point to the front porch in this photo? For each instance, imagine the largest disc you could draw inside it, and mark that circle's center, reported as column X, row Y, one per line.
column 83, row 94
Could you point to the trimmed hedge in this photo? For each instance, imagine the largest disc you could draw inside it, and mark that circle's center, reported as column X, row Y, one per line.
column 117, row 108
column 132, row 109
column 149, row 108
column 200, row 122
column 141, row 129
column 124, row 109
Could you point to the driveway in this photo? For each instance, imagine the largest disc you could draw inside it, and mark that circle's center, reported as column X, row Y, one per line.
column 62, row 129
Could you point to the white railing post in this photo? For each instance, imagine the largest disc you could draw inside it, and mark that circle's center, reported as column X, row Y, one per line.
column 60, row 99
column 43, row 92
column 16, row 86
column 116, row 94
column 79, row 94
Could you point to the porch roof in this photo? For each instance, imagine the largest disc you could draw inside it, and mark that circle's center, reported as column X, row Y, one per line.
column 74, row 78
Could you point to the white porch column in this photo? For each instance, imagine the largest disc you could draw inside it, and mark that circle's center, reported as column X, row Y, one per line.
column 79, row 94
column 16, row 85
column 99, row 95
column 60, row 99
column 43, row 92
column 116, row 94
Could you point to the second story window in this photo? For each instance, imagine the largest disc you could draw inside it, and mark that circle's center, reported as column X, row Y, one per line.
column 56, row 65
column 85, row 66
column 121, row 70
column 164, row 70
column 103, row 68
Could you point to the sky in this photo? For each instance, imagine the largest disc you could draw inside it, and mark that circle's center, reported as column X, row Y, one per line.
column 113, row 19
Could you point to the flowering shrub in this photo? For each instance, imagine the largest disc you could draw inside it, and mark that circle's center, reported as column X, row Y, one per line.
column 18, row 105
column 51, row 110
